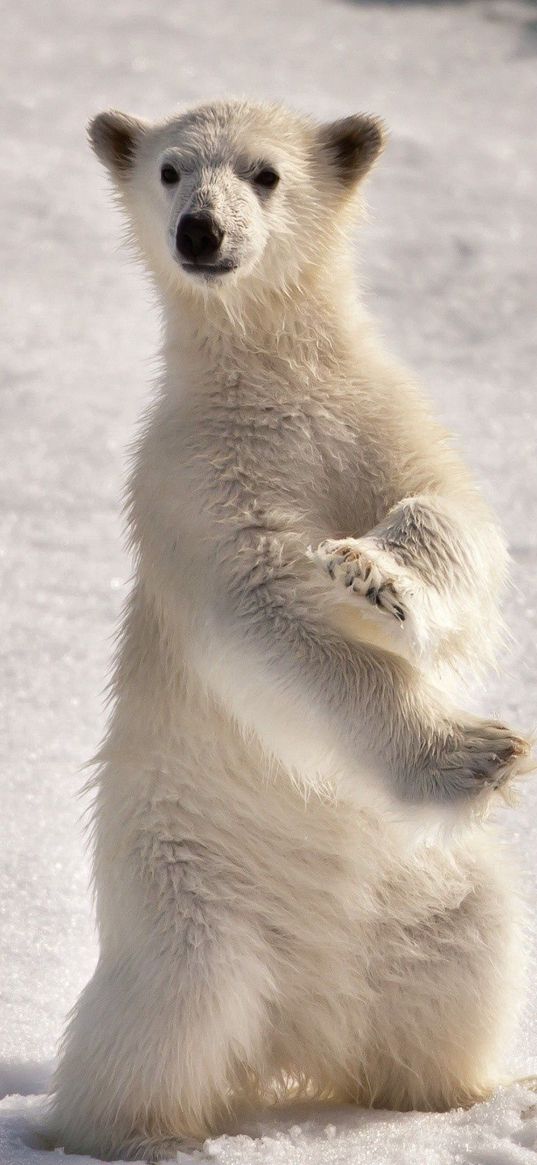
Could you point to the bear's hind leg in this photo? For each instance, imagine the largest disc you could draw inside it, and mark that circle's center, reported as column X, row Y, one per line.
column 448, row 987
column 160, row 1039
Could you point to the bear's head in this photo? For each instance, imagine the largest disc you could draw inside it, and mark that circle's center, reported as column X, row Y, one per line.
column 236, row 191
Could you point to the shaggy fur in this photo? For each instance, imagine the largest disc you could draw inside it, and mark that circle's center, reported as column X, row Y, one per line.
column 284, row 906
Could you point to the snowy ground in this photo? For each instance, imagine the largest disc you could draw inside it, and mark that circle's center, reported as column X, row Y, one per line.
column 446, row 262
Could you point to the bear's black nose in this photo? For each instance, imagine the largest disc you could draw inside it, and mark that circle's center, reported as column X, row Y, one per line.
column 198, row 237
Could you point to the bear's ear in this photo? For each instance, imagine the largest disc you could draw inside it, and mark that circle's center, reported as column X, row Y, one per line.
column 115, row 138
column 352, row 145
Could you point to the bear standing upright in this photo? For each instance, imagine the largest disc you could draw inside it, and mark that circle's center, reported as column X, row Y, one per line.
column 313, row 564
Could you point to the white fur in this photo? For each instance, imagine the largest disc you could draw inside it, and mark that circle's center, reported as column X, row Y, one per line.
column 266, row 930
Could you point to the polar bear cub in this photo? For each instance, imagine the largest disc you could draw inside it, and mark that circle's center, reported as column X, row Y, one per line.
column 313, row 567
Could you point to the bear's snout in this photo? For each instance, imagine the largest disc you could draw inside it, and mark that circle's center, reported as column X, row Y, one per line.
column 199, row 237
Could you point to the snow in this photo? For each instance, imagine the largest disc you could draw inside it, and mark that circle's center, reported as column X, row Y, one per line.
column 445, row 261
column 503, row 1131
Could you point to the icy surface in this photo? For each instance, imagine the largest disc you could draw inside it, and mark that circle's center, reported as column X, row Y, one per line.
column 448, row 264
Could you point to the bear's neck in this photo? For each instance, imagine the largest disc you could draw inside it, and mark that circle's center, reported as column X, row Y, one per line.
column 303, row 332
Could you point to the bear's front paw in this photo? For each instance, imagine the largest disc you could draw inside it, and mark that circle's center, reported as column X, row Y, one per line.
column 484, row 757
column 363, row 573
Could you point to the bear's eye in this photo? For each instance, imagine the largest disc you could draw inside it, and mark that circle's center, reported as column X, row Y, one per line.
column 267, row 177
column 169, row 176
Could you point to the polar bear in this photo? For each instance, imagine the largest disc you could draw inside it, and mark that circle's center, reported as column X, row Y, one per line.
column 297, row 894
